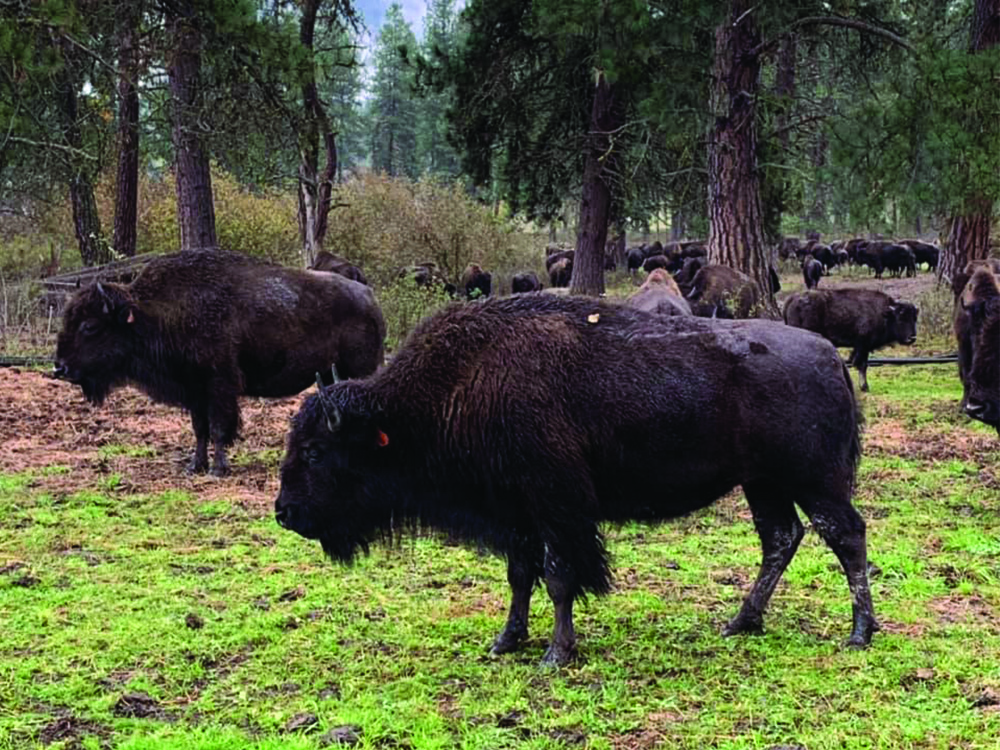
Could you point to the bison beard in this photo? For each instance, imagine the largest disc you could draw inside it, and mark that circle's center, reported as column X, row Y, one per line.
column 524, row 423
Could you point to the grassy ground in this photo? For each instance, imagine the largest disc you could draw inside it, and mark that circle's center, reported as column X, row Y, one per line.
column 174, row 621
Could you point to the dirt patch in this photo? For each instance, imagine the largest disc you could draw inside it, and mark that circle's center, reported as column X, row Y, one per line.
column 71, row 732
column 131, row 443
column 892, row 437
column 965, row 609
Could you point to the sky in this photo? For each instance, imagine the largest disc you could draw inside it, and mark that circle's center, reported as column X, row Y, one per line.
column 374, row 11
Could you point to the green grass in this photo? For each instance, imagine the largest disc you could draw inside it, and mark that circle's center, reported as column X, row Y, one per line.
column 233, row 627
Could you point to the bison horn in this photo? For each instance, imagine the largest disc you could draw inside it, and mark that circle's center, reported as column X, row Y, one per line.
column 104, row 296
column 333, row 372
column 330, row 409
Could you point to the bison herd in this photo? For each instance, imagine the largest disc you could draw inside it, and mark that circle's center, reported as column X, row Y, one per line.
column 524, row 423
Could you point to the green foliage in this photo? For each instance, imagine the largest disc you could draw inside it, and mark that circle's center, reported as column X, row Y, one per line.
column 383, row 224
column 404, row 304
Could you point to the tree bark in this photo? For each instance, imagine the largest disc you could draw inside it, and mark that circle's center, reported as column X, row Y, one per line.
column 595, row 203
column 127, row 184
column 315, row 189
column 969, row 233
column 195, row 205
column 736, row 228
column 86, row 221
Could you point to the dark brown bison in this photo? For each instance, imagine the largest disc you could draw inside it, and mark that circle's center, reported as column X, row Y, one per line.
column 660, row 295
column 863, row 319
column 561, row 272
column 812, row 272
column 524, row 423
column 961, row 279
column 427, row 275
column 788, row 247
column 655, row 261
column 326, row 261
column 722, row 292
column 924, row 252
column 525, row 282
column 476, row 282
column 897, row 259
column 634, row 258
column 977, row 327
column 197, row 329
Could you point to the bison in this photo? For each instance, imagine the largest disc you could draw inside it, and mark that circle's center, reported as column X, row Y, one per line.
column 863, row 319
column 898, row 258
column 634, row 257
column 924, row 252
column 561, row 272
column 722, row 292
column 655, row 261
column 199, row 328
column 660, row 295
column 525, row 282
column 524, row 423
column 812, row 272
column 327, row 261
column 476, row 282
column 427, row 275
column 977, row 327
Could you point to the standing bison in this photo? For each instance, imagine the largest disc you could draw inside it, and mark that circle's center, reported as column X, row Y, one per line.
column 977, row 327
column 863, row 319
column 199, row 328
column 476, row 283
column 524, row 423
column 812, row 272
column 327, row 261
column 659, row 294
column 525, row 282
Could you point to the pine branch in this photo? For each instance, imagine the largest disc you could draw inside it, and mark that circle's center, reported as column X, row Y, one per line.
column 850, row 23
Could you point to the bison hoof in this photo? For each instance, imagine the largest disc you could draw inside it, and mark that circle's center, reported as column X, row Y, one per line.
column 220, row 470
column 862, row 637
column 196, row 466
column 558, row 656
column 741, row 625
column 507, row 642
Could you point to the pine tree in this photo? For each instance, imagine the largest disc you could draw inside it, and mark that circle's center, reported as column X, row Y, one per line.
column 393, row 108
column 435, row 154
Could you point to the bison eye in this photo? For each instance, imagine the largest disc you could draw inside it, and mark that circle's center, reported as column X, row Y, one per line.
column 312, row 455
column 89, row 327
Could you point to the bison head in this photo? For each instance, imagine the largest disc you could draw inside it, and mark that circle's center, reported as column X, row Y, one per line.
column 902, row 322
column 94, row 348
column 335, row 478
column 981, row 303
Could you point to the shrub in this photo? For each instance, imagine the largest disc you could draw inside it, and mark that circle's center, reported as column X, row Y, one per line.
column 404, row 304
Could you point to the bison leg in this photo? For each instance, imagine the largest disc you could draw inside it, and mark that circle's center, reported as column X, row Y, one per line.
column 561, row 583
column 199, row 420
column 224, row 420
column 524, row 568
column 843, row 529
column 861, row 362
column 780, row 532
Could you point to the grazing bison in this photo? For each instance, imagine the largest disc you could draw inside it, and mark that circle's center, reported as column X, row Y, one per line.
column 634, row 257
column 525, row 282
column 660, row 295
column 722, row 292
column 924, row 252
column 326, row 261
column 863, row 319
column 977, row 327
column 898, row 258
column 655, row 261
column 476, row 282
column 688, row 271
column 869, row 253
column 524, row 423
column 812, row 272
column 427, row 275
column 199, row 328
column 788, row 248
column 561, row 272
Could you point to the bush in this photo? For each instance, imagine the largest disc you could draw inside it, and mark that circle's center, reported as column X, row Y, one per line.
column 404, row 304
column 382, row 223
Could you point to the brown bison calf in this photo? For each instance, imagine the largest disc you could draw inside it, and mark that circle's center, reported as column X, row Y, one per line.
column 660, row 295
column 197, row 329
column 863, row 319
column 524, row 423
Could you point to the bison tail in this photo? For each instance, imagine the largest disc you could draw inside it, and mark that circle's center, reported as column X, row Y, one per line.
column 858, row 422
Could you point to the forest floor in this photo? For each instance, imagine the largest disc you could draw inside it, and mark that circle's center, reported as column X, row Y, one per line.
column 145, row 608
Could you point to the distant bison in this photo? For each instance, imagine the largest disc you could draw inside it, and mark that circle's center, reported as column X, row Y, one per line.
column 634, row 258
column 924, row 252
column 655, row 261
column 197, row 329
column 525, row 282
column 898, row 259
column 329, row 262
column 660, row 295
column 812, row 272
column 476, row 282
column 427, row 275
column 863, row 319
column 523, row 423
column 977, row 327
column 561, row 272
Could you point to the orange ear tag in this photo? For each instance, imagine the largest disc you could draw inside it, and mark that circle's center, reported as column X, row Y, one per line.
column 131, row 317
column 383, row 439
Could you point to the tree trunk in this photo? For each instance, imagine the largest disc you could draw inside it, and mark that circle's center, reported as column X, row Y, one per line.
column 127, row 184
column 595, row 203
column 86, row 221
column 969, row 234
column 736, row 228
column 195, row 206
column 315, row 189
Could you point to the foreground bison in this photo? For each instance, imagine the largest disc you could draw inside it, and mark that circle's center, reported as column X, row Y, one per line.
column 977, row 327
column 197, row 329
column 863, row 319
column 524, row 423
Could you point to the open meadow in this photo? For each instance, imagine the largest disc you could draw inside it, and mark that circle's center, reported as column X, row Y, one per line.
column 145, row 608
